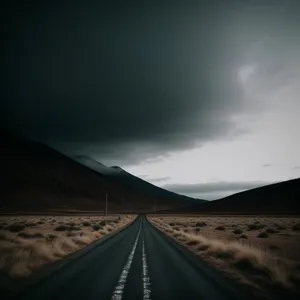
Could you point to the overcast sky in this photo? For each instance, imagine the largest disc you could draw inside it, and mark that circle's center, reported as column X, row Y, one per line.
column 202, row 99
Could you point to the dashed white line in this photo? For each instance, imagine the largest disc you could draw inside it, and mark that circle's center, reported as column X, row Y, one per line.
column 119, row 289
column 146, row 278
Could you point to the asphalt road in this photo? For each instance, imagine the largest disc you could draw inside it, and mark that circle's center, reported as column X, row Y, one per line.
column 139, row 262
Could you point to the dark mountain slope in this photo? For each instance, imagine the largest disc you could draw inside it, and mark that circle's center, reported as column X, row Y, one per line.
column 278, row 198
column 38, row 178
column 121, row 176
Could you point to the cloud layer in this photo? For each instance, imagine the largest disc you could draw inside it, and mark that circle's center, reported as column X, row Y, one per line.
column 221, row 186
column 130, row 83
column 214, row 190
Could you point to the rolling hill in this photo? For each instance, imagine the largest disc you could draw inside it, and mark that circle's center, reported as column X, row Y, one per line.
column 38, row 178
column 277, row 199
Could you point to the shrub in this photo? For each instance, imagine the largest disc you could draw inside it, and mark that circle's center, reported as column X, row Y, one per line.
column 14, row 227
column 197, row 229
column 61, row 228
column 96, row 227
column 296, row 227
column 243, row 236
column 221, row 228
column 252, row 227
column 73, row 228
column 262, row 235
column 192, row 243
column 71, row 234
column 202, row 247
column 37, row 235
column 256, row 226
column 50, row 236
column 201, row 224
column 30, row 224
column 86, row 223
column 30, row 235
column 237, row 231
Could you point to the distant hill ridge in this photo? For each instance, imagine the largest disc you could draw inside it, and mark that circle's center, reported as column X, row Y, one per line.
column 281, row 198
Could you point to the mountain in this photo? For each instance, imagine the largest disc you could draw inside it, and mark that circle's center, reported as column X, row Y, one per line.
column 95, row 165
column 120, row 176
column 37, row 178
column 279, row 198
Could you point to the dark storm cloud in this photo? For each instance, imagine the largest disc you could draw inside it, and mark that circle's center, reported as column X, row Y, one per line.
column 214, row 187
column 131, row 82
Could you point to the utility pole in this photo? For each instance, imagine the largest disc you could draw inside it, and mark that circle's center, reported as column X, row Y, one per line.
column 105, row 208
column 124, row 205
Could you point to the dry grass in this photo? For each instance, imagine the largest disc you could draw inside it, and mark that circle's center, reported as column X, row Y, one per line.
column 243, row 251
column 28, row 243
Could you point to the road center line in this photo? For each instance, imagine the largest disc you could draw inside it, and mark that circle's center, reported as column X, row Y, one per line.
column 146, row 278
column 119, row 289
